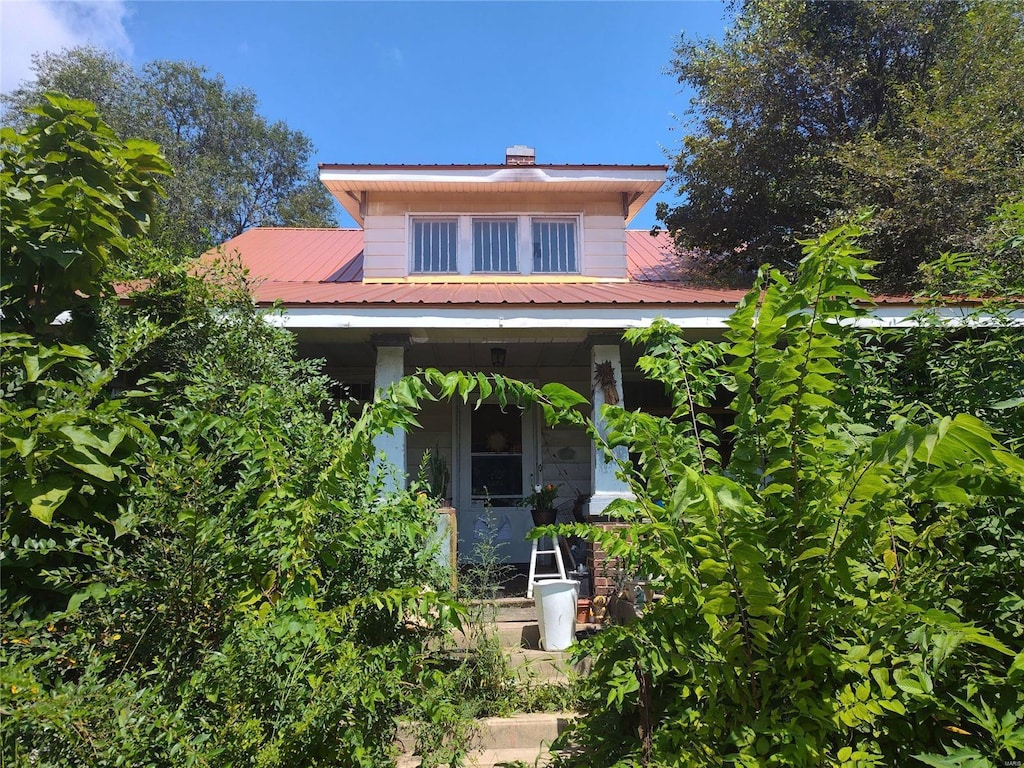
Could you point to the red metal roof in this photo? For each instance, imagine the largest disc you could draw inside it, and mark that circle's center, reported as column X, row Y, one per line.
column 292, row 255
column 325, row 266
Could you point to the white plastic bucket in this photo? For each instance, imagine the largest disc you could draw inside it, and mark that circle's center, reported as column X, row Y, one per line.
column 556, row 612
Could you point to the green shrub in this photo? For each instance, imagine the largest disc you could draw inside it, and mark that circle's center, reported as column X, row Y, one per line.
column 198, row 567
column 806, row 618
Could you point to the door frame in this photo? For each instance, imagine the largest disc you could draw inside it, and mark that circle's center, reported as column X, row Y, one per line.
column 470, row 509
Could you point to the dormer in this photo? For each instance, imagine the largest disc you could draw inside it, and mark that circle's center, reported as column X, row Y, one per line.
column 515, row 222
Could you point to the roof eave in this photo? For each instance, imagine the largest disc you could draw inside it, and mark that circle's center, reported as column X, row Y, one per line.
column 350, row 183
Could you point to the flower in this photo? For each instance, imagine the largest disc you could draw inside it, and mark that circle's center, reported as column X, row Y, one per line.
column 543, row 497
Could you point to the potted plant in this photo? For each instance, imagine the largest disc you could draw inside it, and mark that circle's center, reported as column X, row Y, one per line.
column 542, row 503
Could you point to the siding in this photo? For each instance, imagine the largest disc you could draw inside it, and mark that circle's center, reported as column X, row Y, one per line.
column 565, row 454
column 436, row 420
column 604, row 246
column 384, row 251
column 602, row 239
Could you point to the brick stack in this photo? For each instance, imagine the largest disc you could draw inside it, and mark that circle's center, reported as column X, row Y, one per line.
column 603, row 571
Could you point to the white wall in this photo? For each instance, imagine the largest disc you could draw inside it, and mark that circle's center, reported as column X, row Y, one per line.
column 436, row 435
column 602, row 235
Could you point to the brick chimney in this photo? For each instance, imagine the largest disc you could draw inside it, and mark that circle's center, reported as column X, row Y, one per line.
column 520, row 154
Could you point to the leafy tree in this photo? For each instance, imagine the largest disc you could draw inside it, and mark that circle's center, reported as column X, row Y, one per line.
column 809, row 110
column 807, row 616
column 88, row 73
column 73, row 197
column 993, row 271
column 233, row 168
column 237, row 170
column 242, row 598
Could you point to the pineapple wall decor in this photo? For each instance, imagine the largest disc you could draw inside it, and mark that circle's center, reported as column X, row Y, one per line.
column 604, row 377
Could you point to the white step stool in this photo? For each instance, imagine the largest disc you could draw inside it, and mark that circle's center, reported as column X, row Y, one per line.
column 555, row 550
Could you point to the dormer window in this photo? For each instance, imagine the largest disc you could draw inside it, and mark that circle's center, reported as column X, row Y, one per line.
column 554, row 245
column 491, row 245
column 518, row 221
column 435, row 245
column 495, row 245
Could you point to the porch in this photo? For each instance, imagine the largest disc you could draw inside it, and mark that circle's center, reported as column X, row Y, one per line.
column 495, row 455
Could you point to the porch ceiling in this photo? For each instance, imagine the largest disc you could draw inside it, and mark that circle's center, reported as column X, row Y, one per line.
column 477, row 356
column 490, row 336
column 521, row 357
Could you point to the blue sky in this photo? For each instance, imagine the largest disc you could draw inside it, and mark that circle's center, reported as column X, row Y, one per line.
column 413, row 82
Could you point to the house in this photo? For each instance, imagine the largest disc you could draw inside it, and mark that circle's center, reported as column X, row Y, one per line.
column 522, row 268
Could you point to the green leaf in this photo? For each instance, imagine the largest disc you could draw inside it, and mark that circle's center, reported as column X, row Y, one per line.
column 86, row 460
column 969, row 633
column 24, row 442
column 1017, row 667
column 893, row 705
column 964, row 757
column 719, row 606
column 32, row 368
column 105, row 439
column 713, row 569
column 812, row 552
column 1002, row 405
column 94, row 591
column 485, row 387
column 562, row 396
column 45, row 497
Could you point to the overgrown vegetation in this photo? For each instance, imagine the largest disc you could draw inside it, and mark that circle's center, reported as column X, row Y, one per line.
column 821, row 602
column 473, row 676
column 198, row 567
column 74, row 195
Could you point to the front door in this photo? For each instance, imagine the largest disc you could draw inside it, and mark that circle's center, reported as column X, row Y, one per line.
column 496, row 468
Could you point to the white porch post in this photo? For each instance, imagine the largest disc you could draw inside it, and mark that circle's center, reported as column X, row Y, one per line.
column 389, row 369
column 607, row 487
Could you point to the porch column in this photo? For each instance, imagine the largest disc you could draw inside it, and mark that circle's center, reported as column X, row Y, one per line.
column 390, row 368
column 607, row 487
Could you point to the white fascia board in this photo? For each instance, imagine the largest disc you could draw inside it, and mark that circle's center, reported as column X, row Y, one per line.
column 958, row 315
column 493, row 176
column 499, row 317
column 490, row 318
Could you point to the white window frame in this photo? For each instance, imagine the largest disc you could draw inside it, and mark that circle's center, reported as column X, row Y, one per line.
column 464, row 248
column 573, row 221
column 515, row 241
column 456, row 243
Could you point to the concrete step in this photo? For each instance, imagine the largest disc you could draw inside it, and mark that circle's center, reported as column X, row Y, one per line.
column 492, row 758
column 524, row 737
column 504, row 609
column 522, row 731
column 532, row 663
column 546, row 666
column 518, row 634
column 513, row 634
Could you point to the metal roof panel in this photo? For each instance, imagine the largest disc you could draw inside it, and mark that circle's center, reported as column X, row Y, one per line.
column 324, row 267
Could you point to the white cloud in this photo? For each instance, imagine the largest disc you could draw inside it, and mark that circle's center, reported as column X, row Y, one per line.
column 34, row 26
